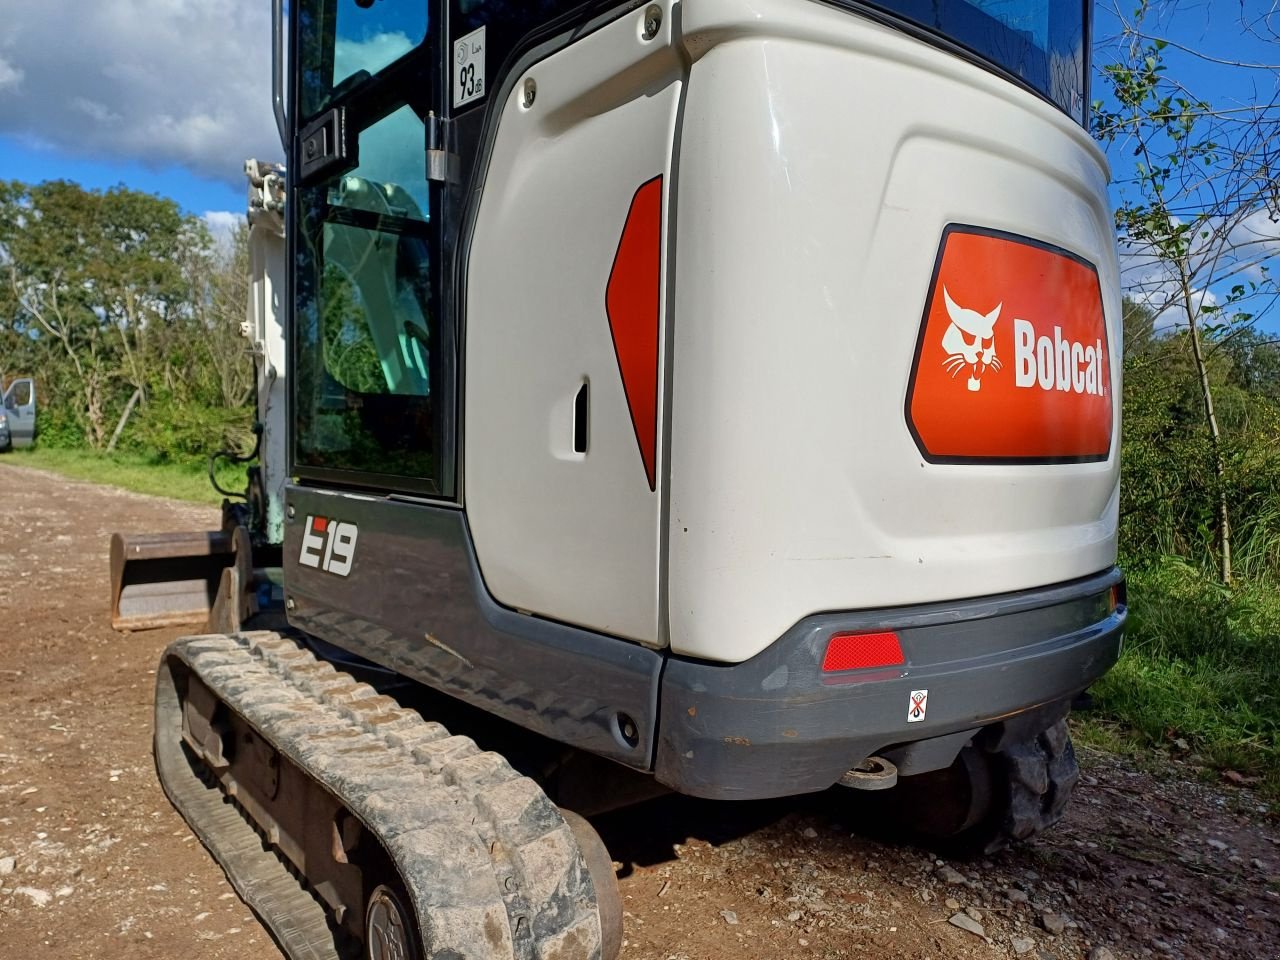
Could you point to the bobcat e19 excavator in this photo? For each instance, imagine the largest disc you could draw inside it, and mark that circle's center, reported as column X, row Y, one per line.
column 714, row 396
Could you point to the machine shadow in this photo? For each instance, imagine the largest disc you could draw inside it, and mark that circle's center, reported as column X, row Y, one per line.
column 647, row 833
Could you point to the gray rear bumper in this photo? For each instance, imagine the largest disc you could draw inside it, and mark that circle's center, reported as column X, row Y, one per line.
column 777, row 725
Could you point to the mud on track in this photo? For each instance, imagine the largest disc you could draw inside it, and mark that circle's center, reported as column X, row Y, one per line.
column 1144, row 866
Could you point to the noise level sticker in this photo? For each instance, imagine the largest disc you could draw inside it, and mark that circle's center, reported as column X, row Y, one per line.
column 916, row 707
column 468, row 68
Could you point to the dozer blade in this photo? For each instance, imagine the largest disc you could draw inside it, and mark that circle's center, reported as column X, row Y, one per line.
column 166, row 579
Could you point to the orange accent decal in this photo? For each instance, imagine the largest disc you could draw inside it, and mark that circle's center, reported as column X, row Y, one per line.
column 1012, row 364
column 632, row 304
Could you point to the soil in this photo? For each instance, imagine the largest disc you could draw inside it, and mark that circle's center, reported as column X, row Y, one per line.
column 1146, row 863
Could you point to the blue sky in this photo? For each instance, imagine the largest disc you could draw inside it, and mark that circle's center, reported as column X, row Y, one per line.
column 21, row 159
column 1215, row 59
column 166, row 96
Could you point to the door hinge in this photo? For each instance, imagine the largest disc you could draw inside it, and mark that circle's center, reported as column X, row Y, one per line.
column 442, row 156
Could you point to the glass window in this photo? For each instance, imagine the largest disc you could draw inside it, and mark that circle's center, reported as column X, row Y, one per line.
column 1040, row 41
column 366, row 329
column 345, row 41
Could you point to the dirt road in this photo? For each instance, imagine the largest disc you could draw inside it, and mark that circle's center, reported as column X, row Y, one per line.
column 101, row 866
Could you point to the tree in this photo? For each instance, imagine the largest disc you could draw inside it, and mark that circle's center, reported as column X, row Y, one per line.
column 113, row 298
column 1190, row 222
column 217, row 283
column 49, row 234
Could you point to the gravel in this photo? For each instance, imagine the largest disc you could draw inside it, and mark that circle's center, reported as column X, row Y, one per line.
column 37, row 896
column 966, row 922
column 1053, row 923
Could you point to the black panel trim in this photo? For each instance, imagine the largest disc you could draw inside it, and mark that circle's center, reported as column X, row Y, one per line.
column 415, row 602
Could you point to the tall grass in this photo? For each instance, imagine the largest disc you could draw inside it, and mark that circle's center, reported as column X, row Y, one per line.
column 131, row 471
column 1201, row 667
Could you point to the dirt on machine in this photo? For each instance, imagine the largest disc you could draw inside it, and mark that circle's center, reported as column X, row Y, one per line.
column 650, row 397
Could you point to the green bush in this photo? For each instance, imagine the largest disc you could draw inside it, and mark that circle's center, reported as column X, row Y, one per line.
column 58, row 426
column 172, row 432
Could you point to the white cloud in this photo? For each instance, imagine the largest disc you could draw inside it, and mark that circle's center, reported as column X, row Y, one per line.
column 1254, row 240
column 1232, row 260
column 223, row 225
column 95, row 111
column 185, row 82
column 10, row 76
column 1148, row 280
column 370, row 53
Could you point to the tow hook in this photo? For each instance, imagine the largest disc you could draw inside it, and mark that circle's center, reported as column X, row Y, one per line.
column 873, row 773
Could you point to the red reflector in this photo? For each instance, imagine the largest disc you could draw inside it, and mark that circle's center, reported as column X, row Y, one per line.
column 857, row 651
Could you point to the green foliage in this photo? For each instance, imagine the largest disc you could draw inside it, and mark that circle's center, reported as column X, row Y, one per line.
column 60, row 427
column 1201, row 665
column 1202, row 660
column 169, row 430
column 105, row 295
column 350, row 355
column 1169, row 491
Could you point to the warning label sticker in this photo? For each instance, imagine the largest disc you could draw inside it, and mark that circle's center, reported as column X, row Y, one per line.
column 916, row 707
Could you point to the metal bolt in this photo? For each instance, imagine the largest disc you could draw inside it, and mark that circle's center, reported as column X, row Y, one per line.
column 652, row 21
column 292, row 512
column 290, row 603
column 530, row 92
column 627, row 727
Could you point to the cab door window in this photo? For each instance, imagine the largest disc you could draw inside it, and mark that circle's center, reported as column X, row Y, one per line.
column 368, row 348
column 344, row 42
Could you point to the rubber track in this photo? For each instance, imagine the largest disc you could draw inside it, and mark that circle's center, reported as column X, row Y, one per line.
column 493, row 869
column 1042, row 773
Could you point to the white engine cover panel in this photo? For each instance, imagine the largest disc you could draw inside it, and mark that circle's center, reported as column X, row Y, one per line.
column 821, row 158
column 571, row 536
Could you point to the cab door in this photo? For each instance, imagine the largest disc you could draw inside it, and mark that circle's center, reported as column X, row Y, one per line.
column 20, row 406
column 372, row 355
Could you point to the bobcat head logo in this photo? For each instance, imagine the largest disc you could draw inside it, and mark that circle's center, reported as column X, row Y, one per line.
column 970, row 341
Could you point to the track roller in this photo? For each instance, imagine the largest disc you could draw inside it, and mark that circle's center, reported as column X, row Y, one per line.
column 389, row 929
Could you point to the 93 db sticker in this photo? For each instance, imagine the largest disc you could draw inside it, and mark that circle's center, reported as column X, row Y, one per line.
column 328, row 545
column 916, row 706
column 468, row 68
